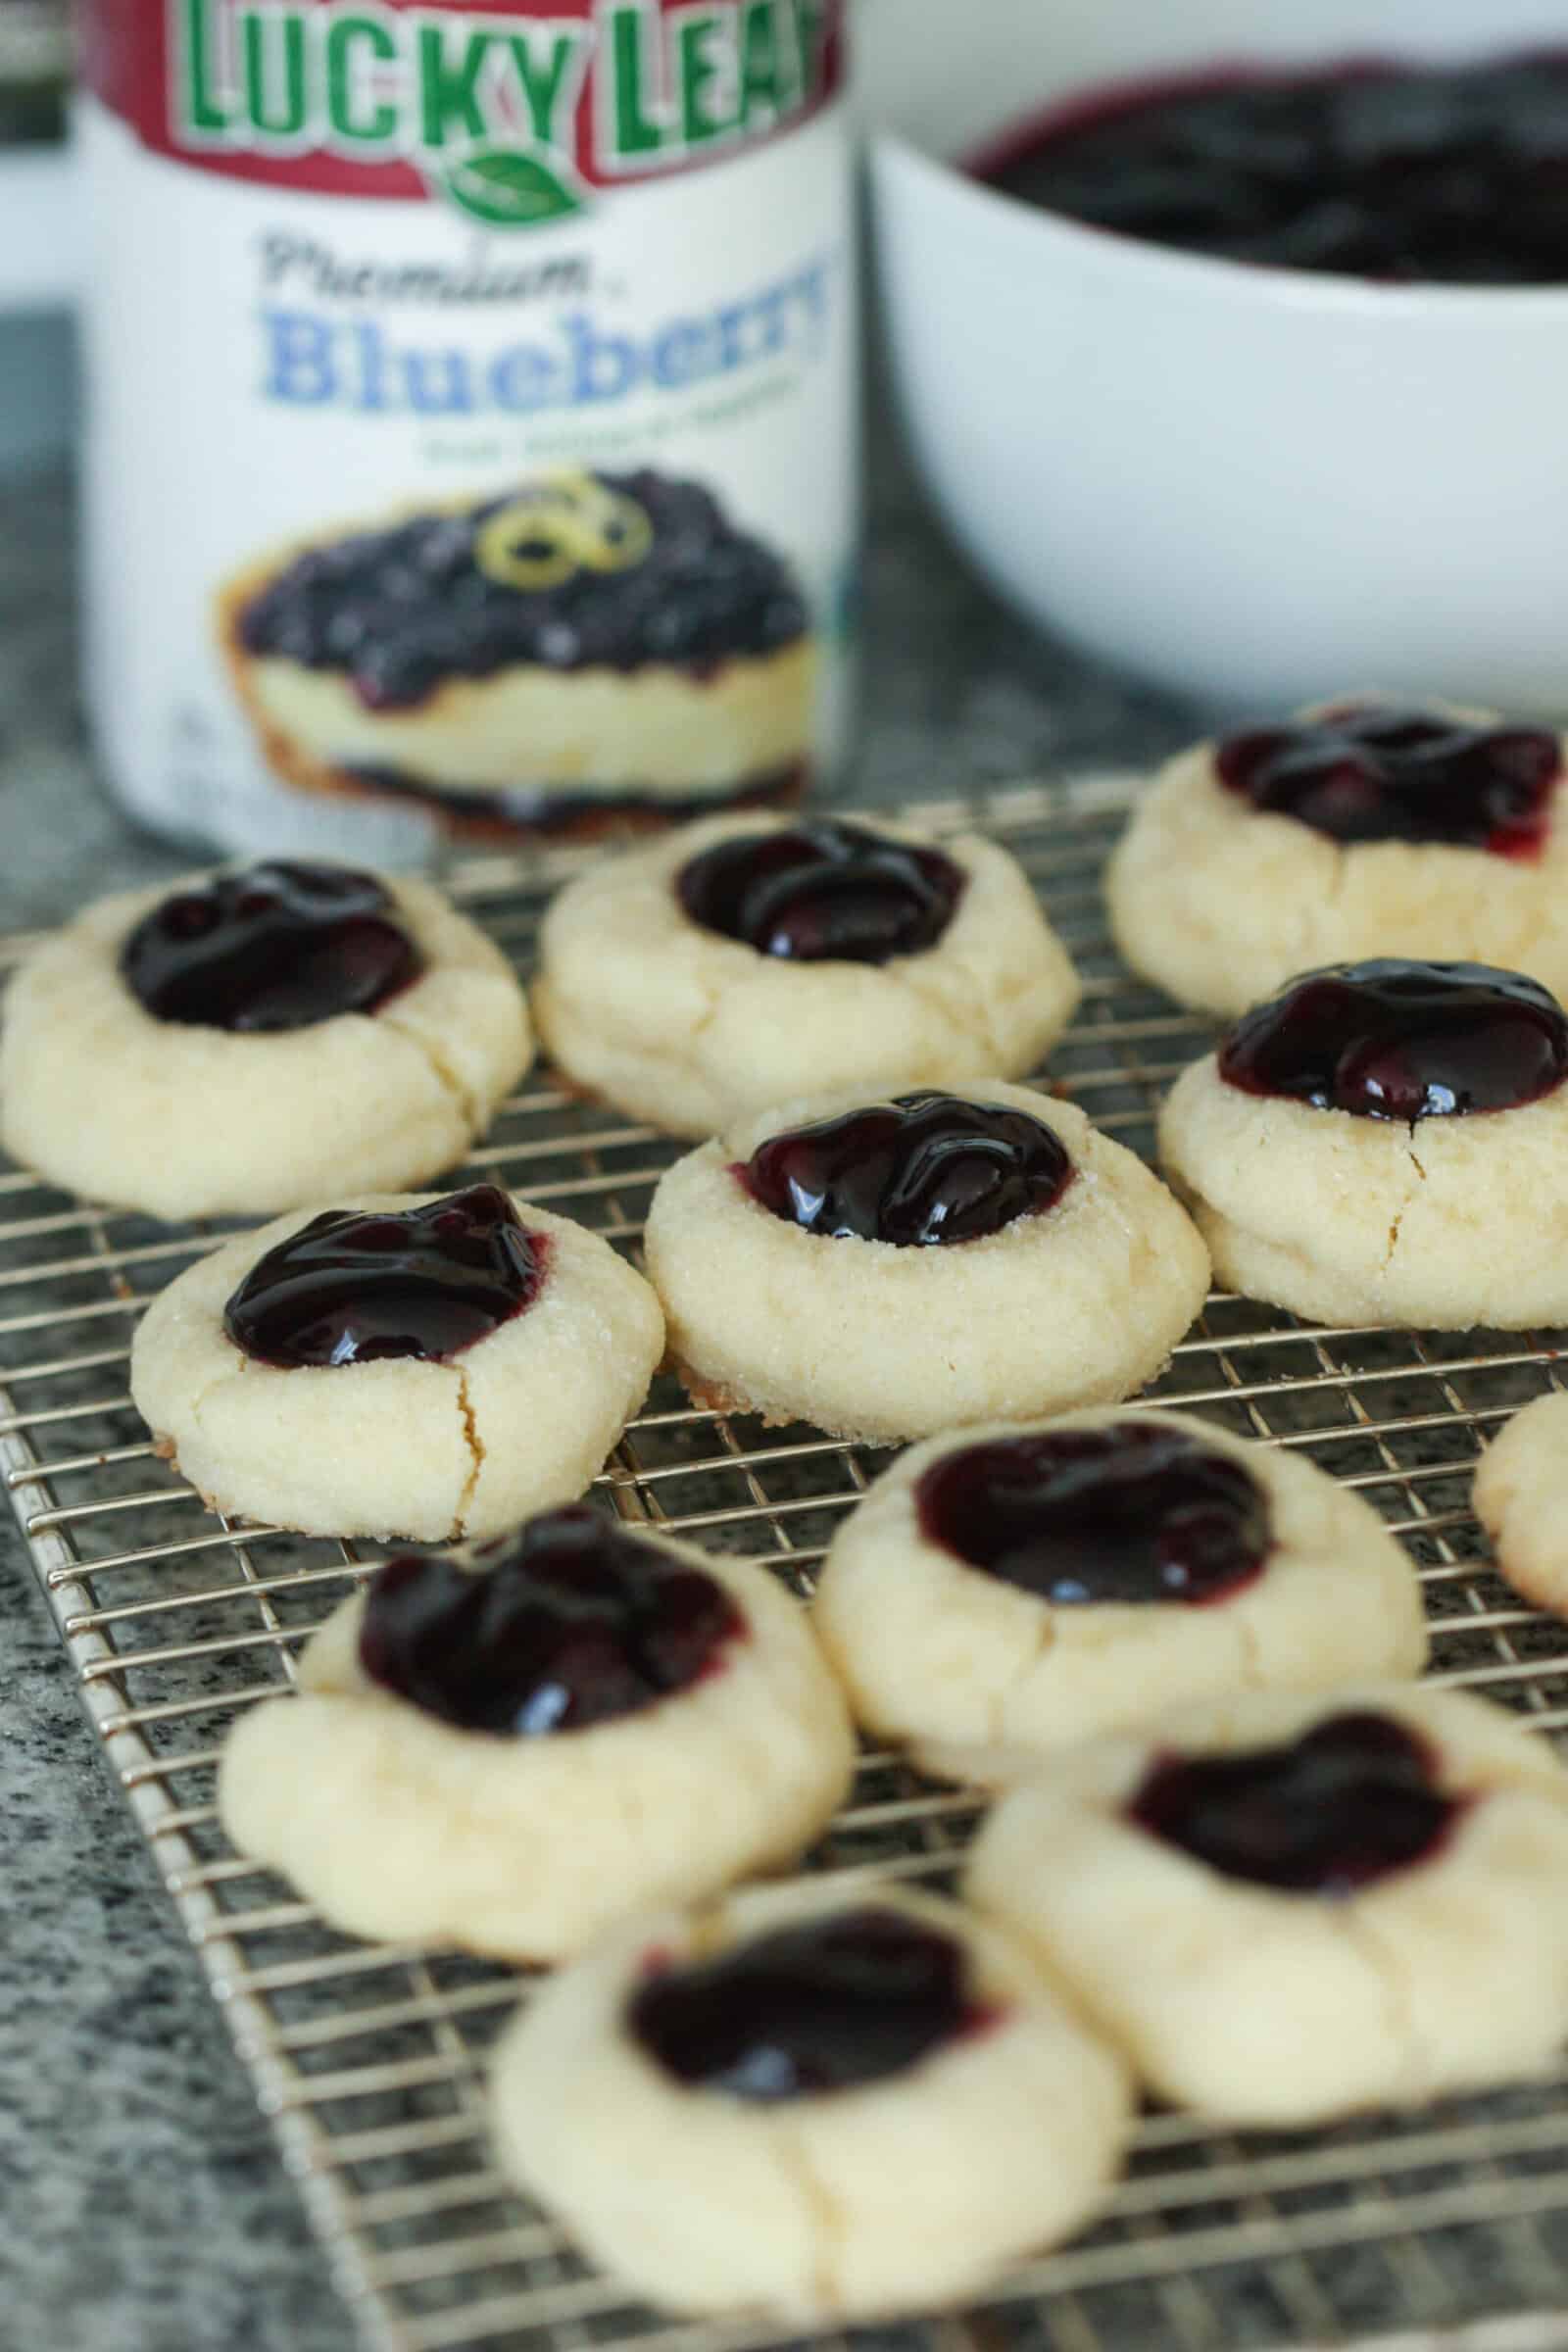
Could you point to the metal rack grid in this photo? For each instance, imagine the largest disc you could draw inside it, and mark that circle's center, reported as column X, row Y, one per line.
column 369, row 2060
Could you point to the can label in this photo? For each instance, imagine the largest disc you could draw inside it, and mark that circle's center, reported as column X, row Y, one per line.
column 470, row 409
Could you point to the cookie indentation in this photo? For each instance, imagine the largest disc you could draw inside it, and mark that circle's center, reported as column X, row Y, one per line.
column 827, row 891
column 276, row 946
column 569, row 1623
column 356, row 1287
column 1133, row 1511
column 1351, row 1801
column 1372, row 773
column 921, row 1171
column 832, row 2005
column 1392, row 1039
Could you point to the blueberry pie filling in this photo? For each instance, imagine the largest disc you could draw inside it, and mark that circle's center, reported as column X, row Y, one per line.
column 824, row 891
column 1130, row 1513
column 1373, row 773
column 1394, row 1038
column 1405, row 174
column 833, row 2004
column 921, row 1171
column 570, row 1622
column 358, row 1286
column 276, row 946
column 1353, row 1801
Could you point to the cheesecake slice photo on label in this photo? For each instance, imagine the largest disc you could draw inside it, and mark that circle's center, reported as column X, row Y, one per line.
column 576, row 643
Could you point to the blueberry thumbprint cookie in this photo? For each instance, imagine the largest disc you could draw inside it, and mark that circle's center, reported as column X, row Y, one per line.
column 748, row 959
column 809, row 2105
column 1002, row 1593
column 1521, row 1499
column 510, row 1750
column 254, row 1038
column 1385, row 1143
column 1366, row 828
column 1286, row 1908
column 427, row 1368
column 581, row 643
column 890, row 1268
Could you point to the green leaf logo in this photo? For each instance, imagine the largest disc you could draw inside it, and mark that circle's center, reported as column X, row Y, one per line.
column 510, row 190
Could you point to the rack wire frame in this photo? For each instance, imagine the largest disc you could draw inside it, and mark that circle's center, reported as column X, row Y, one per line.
column 370, row 2061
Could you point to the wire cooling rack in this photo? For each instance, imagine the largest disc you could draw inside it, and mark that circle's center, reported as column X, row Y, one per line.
column 370, row 2061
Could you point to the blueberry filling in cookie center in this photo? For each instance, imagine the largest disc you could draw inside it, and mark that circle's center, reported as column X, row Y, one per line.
column 1397, row 1039
column 275, row 946
column 1379, row 774
column 1349, row 1802
column 823, row 893
column 355, row 1285
column 1130, row 1513
column 922, row 1171
column 569, row 1623
column 825, row 2006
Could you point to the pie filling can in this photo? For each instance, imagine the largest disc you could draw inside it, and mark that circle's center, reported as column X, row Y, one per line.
column 471, row 436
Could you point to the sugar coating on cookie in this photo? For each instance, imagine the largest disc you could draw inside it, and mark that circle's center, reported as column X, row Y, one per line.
column 1521, row 1499
column 747, row 960
column 809, row 2104
column 1432, row 1196
column 457, row 1432
column 279, row 1066
column 1077, row 1299
column 1363, row 829
column 1268, row 1903
column 1002, row 1595
column 587, row 1724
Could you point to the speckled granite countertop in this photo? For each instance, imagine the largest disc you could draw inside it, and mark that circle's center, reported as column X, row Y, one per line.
column 143, row 2207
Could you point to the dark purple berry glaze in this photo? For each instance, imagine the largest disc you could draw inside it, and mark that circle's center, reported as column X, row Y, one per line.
column 1401, row 173
column 400, row 609
column 1132, row 1512
column 920, row 1171
column 822, row 892
column 274, row 946
column 356, row 1285
column 1349, row 1802
column 573, row 1622
column 825, row 2006
column 1398, row 1040
column 1371, row 773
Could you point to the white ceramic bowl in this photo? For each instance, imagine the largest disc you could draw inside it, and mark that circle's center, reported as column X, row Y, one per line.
column 1256, row 485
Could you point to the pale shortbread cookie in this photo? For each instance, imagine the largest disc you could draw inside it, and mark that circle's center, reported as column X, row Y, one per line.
column 1219, row 902
column 396, row 1825
column 690, row 1031
column 1080, row 1304
column 883, row 2197
column 432, row 1451
column 1521, row 1499
column 99, row 1095
column 979, row 1678
column 1458, row 1221
column 1279, row 2008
